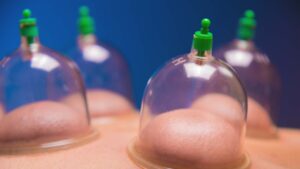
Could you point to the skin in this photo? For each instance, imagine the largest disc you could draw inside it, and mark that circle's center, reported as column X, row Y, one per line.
column 259, row 123
column 1, row 111
column 41, row 120
column 223, row 106
column 109, row 151
column 282, row 152
column 100, row 103
column 196, row 134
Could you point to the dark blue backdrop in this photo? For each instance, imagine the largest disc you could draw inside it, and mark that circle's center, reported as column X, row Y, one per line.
column 150, row 32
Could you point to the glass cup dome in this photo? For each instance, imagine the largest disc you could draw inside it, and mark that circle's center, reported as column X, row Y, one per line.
column 34, row 82
column 104, row 71
column 259, row 77
column 193, row 114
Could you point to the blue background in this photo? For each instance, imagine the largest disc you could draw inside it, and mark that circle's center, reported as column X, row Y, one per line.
column 150, row 32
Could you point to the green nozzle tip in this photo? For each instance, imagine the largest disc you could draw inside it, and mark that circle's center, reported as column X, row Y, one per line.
column 205, row 25
column 249, row 14
column 26, row 13
column 247, row 26
column 28, row 26
column 85, row 22
column 203, row 39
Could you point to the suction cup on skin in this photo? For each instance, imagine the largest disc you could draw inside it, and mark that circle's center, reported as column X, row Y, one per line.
column 259, row 76
column 34, row 79
column 193, row 113
column 104, row 70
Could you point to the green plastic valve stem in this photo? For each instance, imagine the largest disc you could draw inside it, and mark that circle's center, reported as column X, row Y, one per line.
column 28, row 26
column 247, row 25
column 85, row 22
column 203, row 39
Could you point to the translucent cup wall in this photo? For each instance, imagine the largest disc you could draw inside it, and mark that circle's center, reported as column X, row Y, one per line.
column 106, row 77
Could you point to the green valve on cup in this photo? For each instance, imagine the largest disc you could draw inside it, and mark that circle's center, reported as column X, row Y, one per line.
column 28, row 26
column 247, row 25
column 85, row 22
column 203, row 39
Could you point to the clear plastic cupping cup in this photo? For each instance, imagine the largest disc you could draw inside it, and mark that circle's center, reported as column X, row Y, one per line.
column 105, row 73
column 35, row 84
column 259, row 76
column 193, row 113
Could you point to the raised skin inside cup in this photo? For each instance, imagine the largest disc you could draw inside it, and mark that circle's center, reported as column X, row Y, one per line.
column 40, row 120
column 223, row 106
column 103, row 103
column 259, row 123
column 190, row 138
